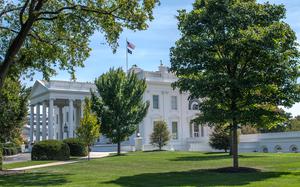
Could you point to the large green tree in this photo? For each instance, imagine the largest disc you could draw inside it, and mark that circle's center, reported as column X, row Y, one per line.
column 40, row 35
column 13, row 110
column 241, row 58
column 118, row 103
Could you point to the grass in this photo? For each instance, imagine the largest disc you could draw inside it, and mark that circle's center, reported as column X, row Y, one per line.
column 166, row 169
column 24, row 164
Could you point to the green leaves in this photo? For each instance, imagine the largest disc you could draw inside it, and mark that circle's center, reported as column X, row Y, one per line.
column 119, row 103
column 13, row 110
column 60, row 31
column 89, row 129
column 241, row 57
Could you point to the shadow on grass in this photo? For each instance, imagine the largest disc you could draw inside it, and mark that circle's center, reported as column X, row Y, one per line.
column 33, row 179
column 211, row 157
column 194, row 178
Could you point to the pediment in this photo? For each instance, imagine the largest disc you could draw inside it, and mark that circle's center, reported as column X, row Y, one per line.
column 38, row 89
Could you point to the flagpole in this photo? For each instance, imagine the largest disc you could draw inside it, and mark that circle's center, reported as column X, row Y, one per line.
column 126, row 57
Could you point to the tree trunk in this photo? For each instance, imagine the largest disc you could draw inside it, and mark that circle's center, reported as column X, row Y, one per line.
column 235, row 145
column 89, row 153
column 1, row 157
column 17, row 43
column 230, row 140
column 119, row 148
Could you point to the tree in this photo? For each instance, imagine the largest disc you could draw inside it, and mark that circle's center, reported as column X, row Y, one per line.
column 13, row 110
column 119, row 106
column 89, row 129
column 248, row 129
column 294, row 124
column 160, row 135
column 41, row 34
column 241, row 58
column 220, row 138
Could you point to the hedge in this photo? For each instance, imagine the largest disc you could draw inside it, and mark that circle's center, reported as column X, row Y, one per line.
column 50, row 150
column 77, row 147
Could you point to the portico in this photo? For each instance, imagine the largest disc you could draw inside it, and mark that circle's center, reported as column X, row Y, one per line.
column 56, row 108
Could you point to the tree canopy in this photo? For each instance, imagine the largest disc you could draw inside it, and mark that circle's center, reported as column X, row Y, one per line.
column 13, row 112
column 118, row 103
column 241, row 58
column 42, row 35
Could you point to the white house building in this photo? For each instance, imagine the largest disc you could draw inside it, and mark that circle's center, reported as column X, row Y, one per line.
column 56, row 108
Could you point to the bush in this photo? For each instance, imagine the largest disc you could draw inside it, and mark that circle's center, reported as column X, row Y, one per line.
column 220, row 138
column 10, row 149
column 77, row 147
column 50, row 150
column 160, row 135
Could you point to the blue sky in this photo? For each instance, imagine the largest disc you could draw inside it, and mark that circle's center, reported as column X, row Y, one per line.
column 154, row 44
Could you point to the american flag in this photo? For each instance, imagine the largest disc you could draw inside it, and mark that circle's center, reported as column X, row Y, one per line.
column 130, row 47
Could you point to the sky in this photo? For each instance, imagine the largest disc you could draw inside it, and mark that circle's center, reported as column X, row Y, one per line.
column 153, row 45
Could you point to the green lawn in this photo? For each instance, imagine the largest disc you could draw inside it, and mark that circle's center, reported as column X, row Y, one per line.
column 24, row 164
column 165, row 169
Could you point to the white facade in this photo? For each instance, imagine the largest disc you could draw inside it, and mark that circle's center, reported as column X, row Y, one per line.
column 56, row 108
column 286, row 142
column 175, row 109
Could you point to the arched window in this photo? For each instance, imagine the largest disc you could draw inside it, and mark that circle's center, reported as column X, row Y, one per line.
column 293, row 149
column 278, row 148
column 194, row 104
column 264, row 149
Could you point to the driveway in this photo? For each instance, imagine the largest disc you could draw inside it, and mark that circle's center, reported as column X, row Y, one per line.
column 17, row 158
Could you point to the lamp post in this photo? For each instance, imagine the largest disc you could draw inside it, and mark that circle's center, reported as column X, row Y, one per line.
column 66, row 130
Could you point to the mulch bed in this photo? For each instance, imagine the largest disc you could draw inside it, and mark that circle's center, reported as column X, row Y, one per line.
column 234, row 170
column 11, row 172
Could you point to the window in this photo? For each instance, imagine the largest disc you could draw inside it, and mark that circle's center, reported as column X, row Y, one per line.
column 155, row 102
column 174, row 102
column 196, row 131
column 194, row 104
column 174, row 130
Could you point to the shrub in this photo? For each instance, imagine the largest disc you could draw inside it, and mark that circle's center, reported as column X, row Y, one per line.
column 77, row 147
column 50, row 150
column 220, row 138
column 160, row 135
column 10, row 149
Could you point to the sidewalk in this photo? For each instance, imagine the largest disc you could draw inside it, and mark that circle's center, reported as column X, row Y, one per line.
column 93, row 155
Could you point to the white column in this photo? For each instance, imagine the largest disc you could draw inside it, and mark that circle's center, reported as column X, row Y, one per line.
column 50, row 120
column 60, row 125
column 81, row 108
column 71, row 121
column 44, row 127
column 37, row 132
column 31, row 122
